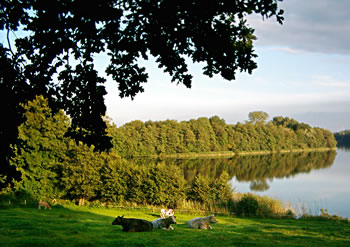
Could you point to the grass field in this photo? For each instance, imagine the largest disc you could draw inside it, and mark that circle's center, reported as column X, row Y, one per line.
column 82, row 226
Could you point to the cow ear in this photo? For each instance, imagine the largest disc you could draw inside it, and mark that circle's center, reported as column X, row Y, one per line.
column 122, row 216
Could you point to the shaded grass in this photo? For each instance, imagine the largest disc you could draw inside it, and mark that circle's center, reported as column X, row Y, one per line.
column 82, row 226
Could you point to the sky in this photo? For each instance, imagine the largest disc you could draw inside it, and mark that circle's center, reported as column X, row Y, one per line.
column 302, row 73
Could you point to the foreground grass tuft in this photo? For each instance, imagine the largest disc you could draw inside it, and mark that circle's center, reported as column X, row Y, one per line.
column 85, row 227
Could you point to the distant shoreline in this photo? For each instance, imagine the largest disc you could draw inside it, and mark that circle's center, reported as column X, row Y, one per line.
column 231, row 154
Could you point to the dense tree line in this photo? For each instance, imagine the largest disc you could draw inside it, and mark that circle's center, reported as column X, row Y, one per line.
column 343, row 138
column 213, row 134
column 52, row 165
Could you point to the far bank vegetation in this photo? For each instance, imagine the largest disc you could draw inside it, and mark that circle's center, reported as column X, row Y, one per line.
column 213, row 135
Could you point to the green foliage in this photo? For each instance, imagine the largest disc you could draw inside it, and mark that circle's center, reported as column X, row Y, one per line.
column 114, row 180
column 42, row 149
column 247, row 206
column 258, row 117
column 210, row 193
column 200, row 190
column 19, row 198
column 210, row 135
column 221, row 189
column 80, row 171
column 162, row 185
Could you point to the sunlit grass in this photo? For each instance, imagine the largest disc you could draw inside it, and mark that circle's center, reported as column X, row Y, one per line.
column 83, row 226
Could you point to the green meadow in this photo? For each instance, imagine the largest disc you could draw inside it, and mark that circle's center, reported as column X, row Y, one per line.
column 83, row 226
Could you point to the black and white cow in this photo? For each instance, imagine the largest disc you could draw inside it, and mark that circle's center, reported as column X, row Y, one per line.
column 164, row 223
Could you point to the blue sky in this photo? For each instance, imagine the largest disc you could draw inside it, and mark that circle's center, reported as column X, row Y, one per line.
column 302, row 73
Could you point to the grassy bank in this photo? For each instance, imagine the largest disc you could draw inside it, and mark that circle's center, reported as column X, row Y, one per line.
column 82, row 226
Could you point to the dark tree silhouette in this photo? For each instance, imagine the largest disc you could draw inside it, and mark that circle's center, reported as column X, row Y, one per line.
column 343, row 138
column 55, row 52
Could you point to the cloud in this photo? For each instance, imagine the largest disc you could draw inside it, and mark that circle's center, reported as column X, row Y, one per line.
column 321, row 26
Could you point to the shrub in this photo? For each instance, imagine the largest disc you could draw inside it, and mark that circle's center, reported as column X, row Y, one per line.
column 17, row 198
column 248, row 205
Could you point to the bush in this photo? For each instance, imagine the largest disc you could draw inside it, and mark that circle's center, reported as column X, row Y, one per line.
column 247, row 206
column 18, row 198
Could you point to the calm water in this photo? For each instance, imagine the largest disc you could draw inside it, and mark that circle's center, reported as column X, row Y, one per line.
column 315, row 180
column 327, row 187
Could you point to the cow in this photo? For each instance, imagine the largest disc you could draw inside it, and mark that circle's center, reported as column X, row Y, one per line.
column 133, row 225
column 43, row 204
column 164, row 224
column 202, row 222
column 164, row 212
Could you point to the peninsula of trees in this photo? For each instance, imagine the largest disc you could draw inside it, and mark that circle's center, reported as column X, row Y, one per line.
column 213, row 134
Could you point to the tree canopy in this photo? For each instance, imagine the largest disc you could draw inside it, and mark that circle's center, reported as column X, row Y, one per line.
column 52, row 46
column 258, row 117
column 204, row 135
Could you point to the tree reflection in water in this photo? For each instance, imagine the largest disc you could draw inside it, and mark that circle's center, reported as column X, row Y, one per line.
column 256, row 169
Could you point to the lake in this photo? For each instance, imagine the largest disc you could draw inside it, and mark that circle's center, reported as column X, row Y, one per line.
column 325, row 187
column 311, row 180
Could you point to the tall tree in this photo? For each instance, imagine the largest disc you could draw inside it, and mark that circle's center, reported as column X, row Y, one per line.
column 81, row 172
column 258, row 117
column 42, row 149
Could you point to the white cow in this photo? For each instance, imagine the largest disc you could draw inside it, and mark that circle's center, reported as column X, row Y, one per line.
column 202, row 222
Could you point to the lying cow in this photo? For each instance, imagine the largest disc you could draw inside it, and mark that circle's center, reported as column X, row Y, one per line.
column 202, row 222
column 164, row 223
column 164, row 212
column 133, row 225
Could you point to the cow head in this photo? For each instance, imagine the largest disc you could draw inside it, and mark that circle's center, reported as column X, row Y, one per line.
column 172, row 219
column 212, row 219
column 118, row 220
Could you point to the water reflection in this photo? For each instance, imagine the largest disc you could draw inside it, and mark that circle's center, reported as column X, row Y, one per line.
column 344, row 148
column 257, row 169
